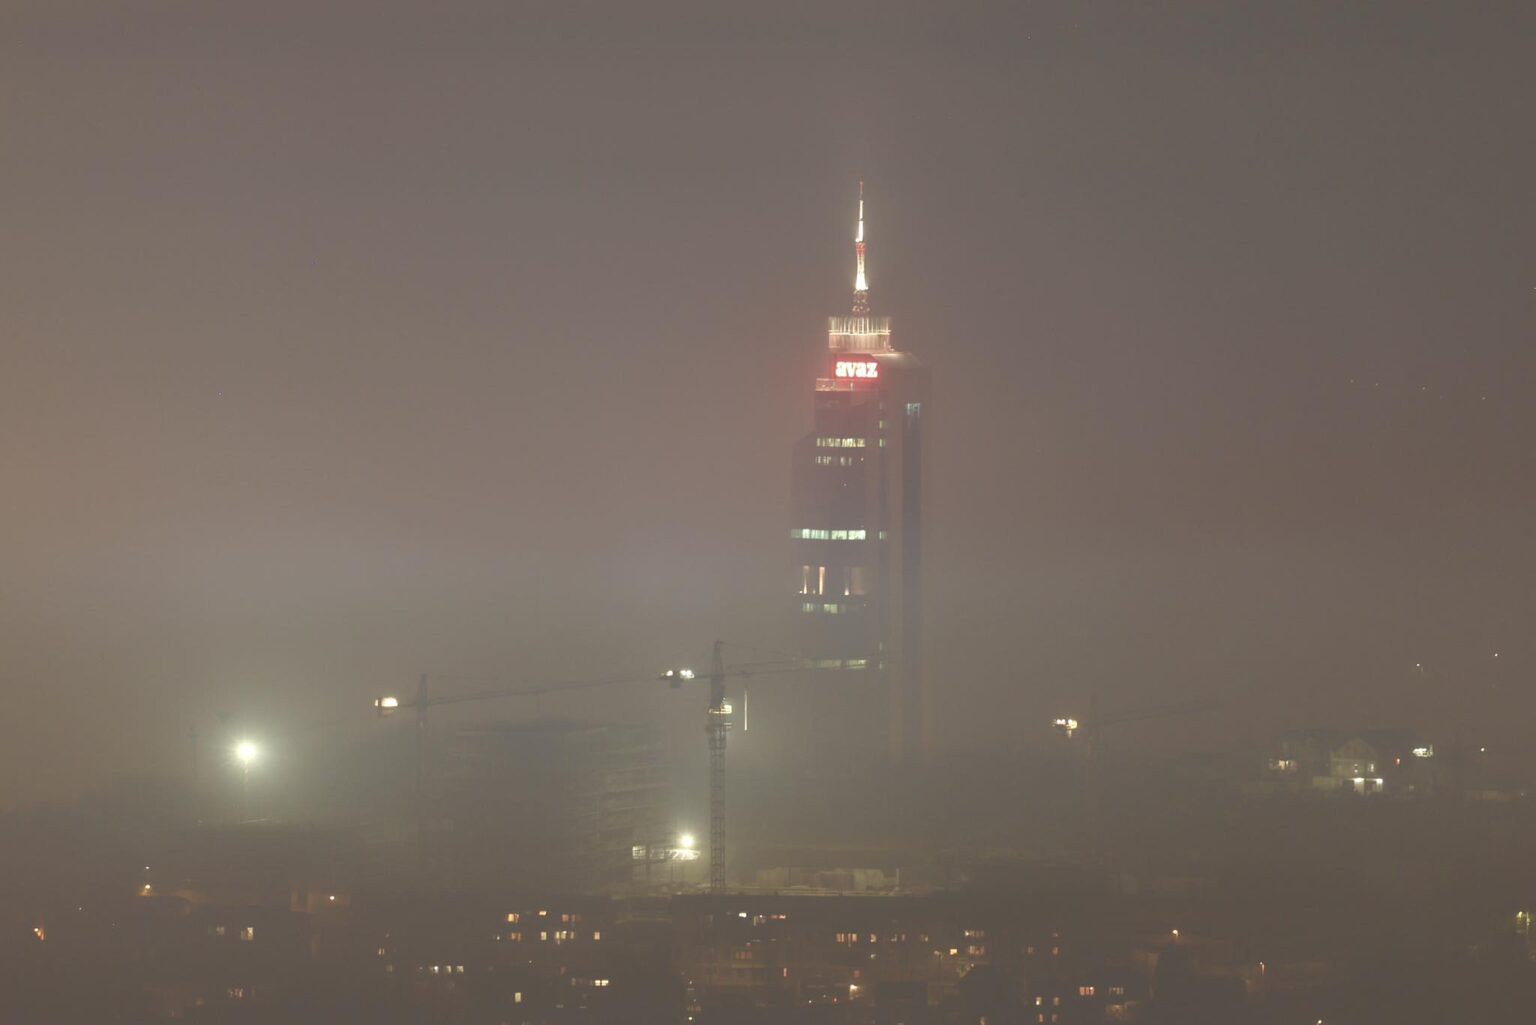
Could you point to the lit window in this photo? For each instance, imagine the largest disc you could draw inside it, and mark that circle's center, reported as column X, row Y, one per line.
column 596, row 936
column 248, row 933
column 543, row 937
column 829, row 608
column 517, row 997
column 819, row 534
column 840, row 442
column 1085, row 991
column 513, row 917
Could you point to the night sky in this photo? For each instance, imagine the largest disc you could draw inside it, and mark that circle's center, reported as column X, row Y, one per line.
column 343, row 342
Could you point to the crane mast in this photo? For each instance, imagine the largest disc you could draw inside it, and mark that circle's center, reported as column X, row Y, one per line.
column 717, row 723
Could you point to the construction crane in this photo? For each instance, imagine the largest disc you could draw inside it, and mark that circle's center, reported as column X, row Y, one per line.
column 717, row 723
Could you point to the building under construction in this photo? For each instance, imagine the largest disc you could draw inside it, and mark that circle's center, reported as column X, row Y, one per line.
column 556, row 805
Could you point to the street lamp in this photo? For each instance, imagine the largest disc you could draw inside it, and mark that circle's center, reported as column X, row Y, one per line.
column 246, row 752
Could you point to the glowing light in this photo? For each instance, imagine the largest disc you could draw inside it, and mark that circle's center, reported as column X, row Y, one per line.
column 387, row 704
column 686, row 841
column 857, row 368
column 246, row 752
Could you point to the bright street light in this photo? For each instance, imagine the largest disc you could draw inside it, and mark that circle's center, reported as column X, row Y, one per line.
column 247, row 753
column 686, row 841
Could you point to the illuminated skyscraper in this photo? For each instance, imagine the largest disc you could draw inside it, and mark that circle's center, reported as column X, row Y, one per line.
column 857, row 534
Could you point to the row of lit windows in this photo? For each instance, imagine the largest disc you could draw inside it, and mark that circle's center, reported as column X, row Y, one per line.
column 813, row 580
column 561, row 936
column 830, row 608
column 850, row 938
column 840, row 442
column 566, row 918
column 838, row 460
column 817, row 534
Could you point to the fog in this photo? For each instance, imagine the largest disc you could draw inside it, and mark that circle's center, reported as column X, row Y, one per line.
column 348, row 343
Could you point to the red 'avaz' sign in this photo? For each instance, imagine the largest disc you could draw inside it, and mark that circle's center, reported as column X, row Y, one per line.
column 857, row 368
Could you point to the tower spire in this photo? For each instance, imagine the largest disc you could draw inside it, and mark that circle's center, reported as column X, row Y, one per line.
column 860, row 283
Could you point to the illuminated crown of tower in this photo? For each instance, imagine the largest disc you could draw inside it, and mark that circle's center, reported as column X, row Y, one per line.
column 860, row 332
column 860, row 283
